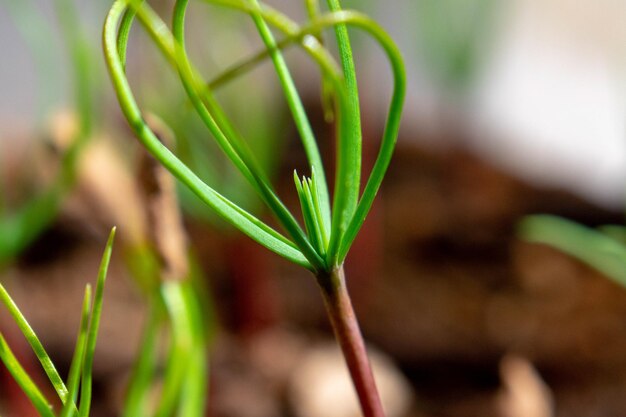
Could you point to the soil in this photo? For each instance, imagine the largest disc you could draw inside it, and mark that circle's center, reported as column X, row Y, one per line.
column 440, row 283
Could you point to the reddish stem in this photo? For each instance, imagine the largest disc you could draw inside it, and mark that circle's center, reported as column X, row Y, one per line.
column 348, row 334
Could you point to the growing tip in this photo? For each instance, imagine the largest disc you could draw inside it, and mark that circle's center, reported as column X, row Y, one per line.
column 297, row 181
column 112, row 235
column 109, row 246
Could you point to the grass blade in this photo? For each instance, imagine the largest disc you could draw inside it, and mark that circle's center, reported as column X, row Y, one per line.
column 23, row 380
column 73, row 382
column 194, row 389
column 181, row 346
column 349, row 143
column 92, row 335
column 35, row 344
column 349, row 71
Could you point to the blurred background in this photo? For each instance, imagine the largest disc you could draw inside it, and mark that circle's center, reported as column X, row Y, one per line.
column 514, row 107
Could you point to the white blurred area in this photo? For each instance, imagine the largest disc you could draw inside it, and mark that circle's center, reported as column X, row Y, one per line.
column 550, row 102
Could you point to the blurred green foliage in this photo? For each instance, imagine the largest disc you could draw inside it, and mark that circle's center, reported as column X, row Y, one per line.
column 452, row 35
column 603, row 248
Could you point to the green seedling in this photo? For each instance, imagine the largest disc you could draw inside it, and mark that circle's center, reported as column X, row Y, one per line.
column 80, row 375
column 330, row 227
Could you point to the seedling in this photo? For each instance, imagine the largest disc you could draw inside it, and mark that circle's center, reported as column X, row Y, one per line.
column 322, row 246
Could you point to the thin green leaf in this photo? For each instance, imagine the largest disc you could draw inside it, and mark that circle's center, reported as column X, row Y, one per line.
column 312, row 8
column 318, row 211
column 20, row 376
column 73, row 382
column 349, row 145
column 35, row 344
column 180, row 348
column 315, row 220
column 194, row 389
column 328, row 100
column 347, row 62
column 94, row 325
column 594, row 248
column 310, row 189
column 390, row 134
column 124, row 33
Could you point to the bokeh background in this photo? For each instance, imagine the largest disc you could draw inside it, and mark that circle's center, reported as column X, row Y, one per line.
column 514, row 107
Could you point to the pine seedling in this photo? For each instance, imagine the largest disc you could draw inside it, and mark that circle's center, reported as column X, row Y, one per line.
column 330, row 226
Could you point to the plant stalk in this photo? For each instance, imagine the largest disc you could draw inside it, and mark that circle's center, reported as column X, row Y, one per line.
column 348, row 334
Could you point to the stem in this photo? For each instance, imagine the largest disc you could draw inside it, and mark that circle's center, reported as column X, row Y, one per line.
column 348, row 334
